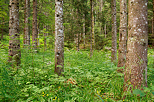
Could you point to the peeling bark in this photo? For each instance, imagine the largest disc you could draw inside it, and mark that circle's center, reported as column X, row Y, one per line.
column 136, row 56
column 35, row 31
column 59, row 37
column 14, row 41
column 114, row 33
column 122, row 33
column 27, row 29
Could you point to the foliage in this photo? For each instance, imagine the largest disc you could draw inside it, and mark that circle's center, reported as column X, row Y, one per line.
column 85, row 79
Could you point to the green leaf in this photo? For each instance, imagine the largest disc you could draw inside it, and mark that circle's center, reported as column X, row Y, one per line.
column 138, row 92
column 153, row 93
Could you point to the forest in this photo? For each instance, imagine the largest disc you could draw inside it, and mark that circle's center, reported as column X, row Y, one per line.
column 76, row 50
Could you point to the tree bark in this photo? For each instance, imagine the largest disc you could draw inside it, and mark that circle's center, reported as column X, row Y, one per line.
column 35, row 31
column 59, row 37
column 136, row 57
column 122, row 33
column 14, row 41
column 92, row 29
column 114, row 33
column 27, row 21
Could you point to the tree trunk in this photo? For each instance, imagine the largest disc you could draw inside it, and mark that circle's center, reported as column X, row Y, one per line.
column 84, row 28
column 153, row 26
column 122, row 33
column 35, row 31
column 44, row 36
column 92, row 29
column 78, row 32
column 105, row 29
column 136, row 57
column 2, row 30
column 59, row 37
column 27, row 28
column 114, row 33
column 14, row 41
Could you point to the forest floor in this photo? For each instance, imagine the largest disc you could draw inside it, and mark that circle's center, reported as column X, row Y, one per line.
column 86, row 79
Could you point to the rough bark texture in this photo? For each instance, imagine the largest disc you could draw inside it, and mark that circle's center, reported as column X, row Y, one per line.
column 34, row 31
column 92, row 29
column 122, row 33
column 27, row 29
column 59, row 37
column 14, row 41
column 114, row 33
column 136, row 57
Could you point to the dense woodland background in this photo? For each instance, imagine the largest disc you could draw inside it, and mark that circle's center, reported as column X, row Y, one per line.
column 88, row 77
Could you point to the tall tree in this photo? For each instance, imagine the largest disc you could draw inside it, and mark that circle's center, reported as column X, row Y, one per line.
column 92, row 41
column 136, row 57
column 153, row 26
column 114, row 32
column 122, row 33
column 34, row 31
column 59, row 37
column 14, row 41
column 27, row 28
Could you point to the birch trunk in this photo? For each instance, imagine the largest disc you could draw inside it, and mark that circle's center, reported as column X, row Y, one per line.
column 122, row 33
column 14, row 41
column 136, row 57
column 114, row 33
column 59, row 37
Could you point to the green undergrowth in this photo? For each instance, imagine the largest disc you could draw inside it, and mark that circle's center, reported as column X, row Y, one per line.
column 85, row 79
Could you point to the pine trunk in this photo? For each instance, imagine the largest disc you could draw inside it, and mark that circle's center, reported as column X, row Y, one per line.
column 27, row 29
column 114, row 33
column 122, row 33
column 59, row 37
column 136, row 57
column 14, row 41
column 34, row 31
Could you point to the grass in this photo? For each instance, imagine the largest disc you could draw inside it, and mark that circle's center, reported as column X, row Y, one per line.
column 86, row 79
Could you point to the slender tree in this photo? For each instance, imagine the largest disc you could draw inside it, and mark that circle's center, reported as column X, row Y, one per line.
column 114, row 33
column 14, row 41
column 136, row 57
column 27, row 28
column 59, row 37
column 34, row 31
column 122, row 33
column 84, row 30
column 92, row 29
column 153, row 26
column 2, row 32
